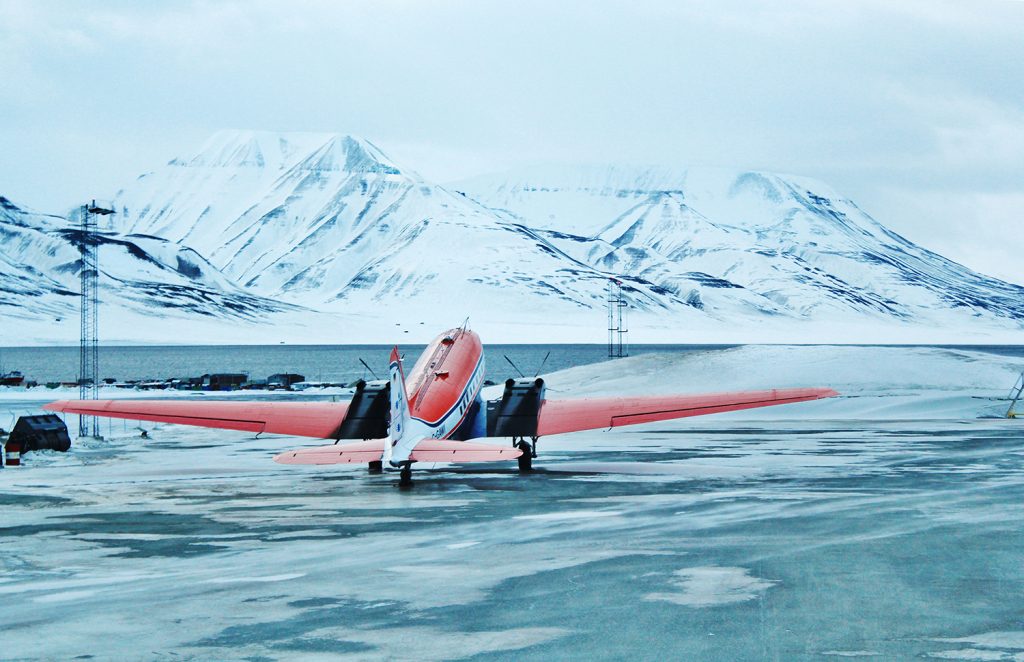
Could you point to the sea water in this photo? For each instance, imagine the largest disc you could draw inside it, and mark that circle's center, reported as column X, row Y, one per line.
column 324, row 363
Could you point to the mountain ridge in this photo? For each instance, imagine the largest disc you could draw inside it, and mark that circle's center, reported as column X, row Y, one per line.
column 328, row 222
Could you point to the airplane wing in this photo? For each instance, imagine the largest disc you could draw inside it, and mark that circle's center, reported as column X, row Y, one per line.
column 427, row 450
column 303, row 419
column 573, row 415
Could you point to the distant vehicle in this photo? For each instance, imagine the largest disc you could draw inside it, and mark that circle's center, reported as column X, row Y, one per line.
column 284, row 380
column 302, row 386
column 431, row 417
column 13, row 378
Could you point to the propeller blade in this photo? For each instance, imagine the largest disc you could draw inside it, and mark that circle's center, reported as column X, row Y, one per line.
column 365, row 365
column 513, row 365
column 542, row 363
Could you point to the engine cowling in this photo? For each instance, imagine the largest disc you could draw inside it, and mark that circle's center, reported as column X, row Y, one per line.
column 517, row 412
column 368, row 412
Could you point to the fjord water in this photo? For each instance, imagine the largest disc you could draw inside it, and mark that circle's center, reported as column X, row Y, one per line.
column 328, row 363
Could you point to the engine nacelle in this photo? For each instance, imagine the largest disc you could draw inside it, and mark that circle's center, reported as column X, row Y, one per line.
column 368, row 412
column 517, row 412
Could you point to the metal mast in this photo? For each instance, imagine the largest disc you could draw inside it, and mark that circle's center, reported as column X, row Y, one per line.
column 617, row 327
column 1015, row 394
column 89, row 343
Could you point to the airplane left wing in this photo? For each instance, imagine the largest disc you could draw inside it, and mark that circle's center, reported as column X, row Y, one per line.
column 303, row 419
column 574, row 415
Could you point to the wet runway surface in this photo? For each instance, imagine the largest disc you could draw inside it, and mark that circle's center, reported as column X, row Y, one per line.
column 780, row 540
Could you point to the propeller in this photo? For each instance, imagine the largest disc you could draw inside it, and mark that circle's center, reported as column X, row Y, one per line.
column 365, row 365
column 514, row 365
column 541, row 367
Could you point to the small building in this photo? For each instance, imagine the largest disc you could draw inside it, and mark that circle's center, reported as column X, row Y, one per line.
column 224, row 381
column 36, row 433
column 190, row 383
column 284, row 380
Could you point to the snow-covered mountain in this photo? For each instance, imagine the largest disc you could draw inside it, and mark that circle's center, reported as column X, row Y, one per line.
column 149, row 276
column 330, row 221
column 300, row 223
column 790, row 244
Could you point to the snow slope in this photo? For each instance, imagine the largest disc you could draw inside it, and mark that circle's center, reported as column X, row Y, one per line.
column 875, row 383
column 329, row 221
column 782, row 245
column 304, row 224
column 141, row 277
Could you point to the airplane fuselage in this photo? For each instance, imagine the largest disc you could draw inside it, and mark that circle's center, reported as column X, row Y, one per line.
column 443, row 389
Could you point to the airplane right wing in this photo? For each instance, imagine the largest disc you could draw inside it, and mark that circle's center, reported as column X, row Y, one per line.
column 574, row 415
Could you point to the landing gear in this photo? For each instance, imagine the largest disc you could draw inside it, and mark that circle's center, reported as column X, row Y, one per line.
column 526, row 459
column 376, row 467
column 405, row 478
column 529, row 451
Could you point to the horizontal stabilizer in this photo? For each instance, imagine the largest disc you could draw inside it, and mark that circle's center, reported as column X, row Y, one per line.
column 445, row 450
column 355, row 452
column 427, row 450
column 302, row 419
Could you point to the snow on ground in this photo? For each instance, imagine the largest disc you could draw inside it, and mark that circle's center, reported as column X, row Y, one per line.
column 815, row 534
column 704, row 587
column 875, row 382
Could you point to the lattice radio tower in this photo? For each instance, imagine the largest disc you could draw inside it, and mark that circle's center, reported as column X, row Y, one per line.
column 89, row 342
column 617, row 326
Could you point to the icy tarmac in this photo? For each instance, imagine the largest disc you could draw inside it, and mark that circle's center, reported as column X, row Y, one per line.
column 885, row 524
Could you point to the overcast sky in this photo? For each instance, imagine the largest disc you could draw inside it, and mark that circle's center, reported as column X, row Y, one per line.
column 914, row 109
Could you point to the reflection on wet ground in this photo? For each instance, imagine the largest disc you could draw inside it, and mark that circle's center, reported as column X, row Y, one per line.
column 719, row 541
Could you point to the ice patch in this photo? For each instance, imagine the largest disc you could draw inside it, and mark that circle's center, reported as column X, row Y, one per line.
column 1010, row 639
column 970, row 654
column 306, row 533
column 709, row 586
column 264, row 579
column 1007, row 645
column 570, row 515
column 66, row 596
column 430, row 644
column 462, row 545
column 852, row 653
column 100, row 537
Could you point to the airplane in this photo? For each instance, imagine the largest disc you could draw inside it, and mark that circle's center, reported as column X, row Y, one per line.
column 435, row 414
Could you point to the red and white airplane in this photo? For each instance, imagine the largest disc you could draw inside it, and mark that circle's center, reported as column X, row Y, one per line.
column 432, row 415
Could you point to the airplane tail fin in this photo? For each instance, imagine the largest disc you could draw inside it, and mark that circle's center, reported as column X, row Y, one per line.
column 399, row 405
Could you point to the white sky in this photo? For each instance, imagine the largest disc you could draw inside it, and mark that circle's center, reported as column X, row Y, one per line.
column 913, row 108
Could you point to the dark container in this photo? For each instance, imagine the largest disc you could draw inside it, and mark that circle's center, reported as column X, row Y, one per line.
column 36, row 433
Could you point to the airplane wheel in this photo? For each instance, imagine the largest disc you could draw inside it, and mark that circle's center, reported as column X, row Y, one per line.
column 526, row 459
column 405, row 478
column 376, row 467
